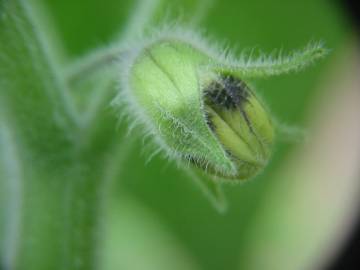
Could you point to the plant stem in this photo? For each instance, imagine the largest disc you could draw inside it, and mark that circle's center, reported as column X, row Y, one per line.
column 59, row 220
column 61, row 179
column 86, row 66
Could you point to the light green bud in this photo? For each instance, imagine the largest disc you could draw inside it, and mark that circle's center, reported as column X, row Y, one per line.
column 199, row 109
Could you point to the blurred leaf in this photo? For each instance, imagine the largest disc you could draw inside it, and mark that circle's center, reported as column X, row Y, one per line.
column 135, row 239
column 306, row 214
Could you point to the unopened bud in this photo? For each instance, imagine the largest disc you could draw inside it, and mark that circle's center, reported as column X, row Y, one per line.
column 200, row 109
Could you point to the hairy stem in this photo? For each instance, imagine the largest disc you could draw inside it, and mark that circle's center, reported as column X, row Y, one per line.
column 60, row 163
column 266, row 66
column 85, row 67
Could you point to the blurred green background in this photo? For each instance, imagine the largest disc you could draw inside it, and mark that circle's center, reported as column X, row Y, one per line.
column 156, row 217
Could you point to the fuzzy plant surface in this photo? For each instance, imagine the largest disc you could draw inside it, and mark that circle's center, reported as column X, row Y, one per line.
column 63, row 124
column 195, row 102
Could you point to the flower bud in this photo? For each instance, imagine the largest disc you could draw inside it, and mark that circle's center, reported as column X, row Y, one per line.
column 240, row 123
column 199, row 109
